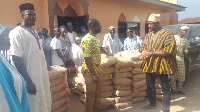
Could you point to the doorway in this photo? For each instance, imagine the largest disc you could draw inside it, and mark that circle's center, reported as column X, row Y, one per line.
column 77, row 22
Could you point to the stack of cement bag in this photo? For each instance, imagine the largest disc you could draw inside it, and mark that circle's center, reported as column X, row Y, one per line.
column 138, row 77
column 107, row 71
column 159, row 93
column 59, row 88
column 122, row 82
column 78, row 83
column 139, row 83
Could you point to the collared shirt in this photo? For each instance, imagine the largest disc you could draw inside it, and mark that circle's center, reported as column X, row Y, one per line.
column 91, row 48
column 47, row 48
column 132, row 43
column 113, row 46
column 165, row 42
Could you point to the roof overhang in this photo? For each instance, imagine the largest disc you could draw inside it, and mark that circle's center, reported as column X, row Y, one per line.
column 163, row 4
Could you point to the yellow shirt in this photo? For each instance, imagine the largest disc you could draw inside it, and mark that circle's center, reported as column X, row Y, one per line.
column 164, row 41
column 91, row 48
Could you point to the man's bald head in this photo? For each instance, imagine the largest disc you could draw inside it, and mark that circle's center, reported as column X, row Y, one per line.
column 94, row 25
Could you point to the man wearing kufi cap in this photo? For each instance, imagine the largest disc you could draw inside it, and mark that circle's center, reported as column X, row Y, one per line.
column 182, row 51
column 159, row 60
column 70, row 33
column 111, row 42
column 28, row 57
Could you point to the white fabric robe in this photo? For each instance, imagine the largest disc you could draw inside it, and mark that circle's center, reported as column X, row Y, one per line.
column 24, row 44
column 17, row 83
column 76, row 54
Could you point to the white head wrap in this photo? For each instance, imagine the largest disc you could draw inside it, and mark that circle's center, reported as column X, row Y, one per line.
column 77, row 38
column 184, row 27
column 154, row 18
column 111, row 27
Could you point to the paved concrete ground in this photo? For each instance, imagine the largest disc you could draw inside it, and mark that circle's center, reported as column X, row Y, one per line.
column 179, row 103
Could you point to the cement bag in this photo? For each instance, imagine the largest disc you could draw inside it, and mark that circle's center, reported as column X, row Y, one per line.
column 134, row 55
column 107, row 70
column 61, row 109
column 159, row 91
column 106, row 76
column 60, row 95
column 75, row 91
column 106, row 82
column 58, row 81
column 80, row 75
column 107, row 88
column 122, row 93
column 78, row 69
column 125, row 69
column 159, row 97
column 123, row 81
column 158, row 86
column 139, row 84
column 59, row 103
column 106, row 94
column 139, row 77
column 139, row 99
column 122, row 75
column 123, row 105
column 136, row 71
column 140, row 94
column 143, row 88
column 81, row 88
column 123, row 99
column 57, row 72
column 123, row 62
column 122, row 87
column 136, row 63
column 108, row 61
column 79, row 81
column 102, row 107
column 59, row 87
column 107, row 101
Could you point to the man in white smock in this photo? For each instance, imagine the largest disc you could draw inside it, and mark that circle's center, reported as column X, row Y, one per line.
column 28, row 57
column 111, row 42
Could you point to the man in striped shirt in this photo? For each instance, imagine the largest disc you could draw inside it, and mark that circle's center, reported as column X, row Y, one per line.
column 159, row 60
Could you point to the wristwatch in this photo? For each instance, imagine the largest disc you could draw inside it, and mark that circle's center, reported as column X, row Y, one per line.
column 152, row 53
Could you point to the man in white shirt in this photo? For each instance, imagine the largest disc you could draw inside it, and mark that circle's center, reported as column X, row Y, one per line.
column 57, row 57
column 132, row 42
column 111, row 42
column 76, row 52
column 70, row 33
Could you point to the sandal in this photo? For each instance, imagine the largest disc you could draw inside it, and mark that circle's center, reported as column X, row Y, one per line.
column 148, row 107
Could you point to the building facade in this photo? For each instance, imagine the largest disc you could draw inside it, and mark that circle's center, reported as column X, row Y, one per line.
column 118, row 13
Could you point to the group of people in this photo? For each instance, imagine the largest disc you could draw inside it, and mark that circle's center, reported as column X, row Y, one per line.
column 65, row 46
column 113, row 45
column 162, row 54
column 25, row 81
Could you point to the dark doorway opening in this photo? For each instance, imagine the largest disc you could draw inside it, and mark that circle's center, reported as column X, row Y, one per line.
column 146, row 29
column 76, row 21
column 122, row 26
